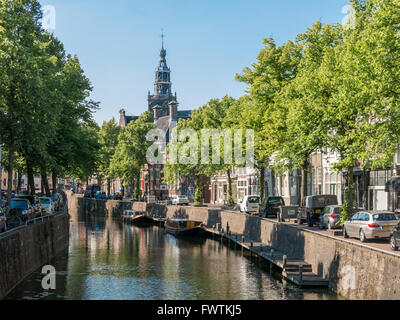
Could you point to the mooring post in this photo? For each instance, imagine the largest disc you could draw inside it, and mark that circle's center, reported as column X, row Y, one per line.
column 300, row 273
column 261, row 247
column 272, row 253
column 284, row 262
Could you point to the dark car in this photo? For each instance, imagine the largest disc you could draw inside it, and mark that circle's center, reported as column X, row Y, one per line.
column 395, row 238
column 34, row 202
column 312, row 206
column 272, row 205
column 22, row 208
column 91, row 190
column 116, row 196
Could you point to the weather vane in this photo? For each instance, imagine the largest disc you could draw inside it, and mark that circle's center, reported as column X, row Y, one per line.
column 162, row 37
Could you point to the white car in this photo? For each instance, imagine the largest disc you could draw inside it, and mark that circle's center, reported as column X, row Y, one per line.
column 48, row 206
column 250, row 204
column 180, row 200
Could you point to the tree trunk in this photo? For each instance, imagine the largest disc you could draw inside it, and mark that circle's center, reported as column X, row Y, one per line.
column 31, row 179
column 304, row 172
column 230, row 196
column 262, row 184
column 10, row 169
column 349, row 193
column 198, row 195
column 45, row 183
column 54, row 181
column 138, row 186
column 19, row 184
column 108, row 186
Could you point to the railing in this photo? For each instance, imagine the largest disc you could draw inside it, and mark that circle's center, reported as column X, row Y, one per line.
column 34, row 221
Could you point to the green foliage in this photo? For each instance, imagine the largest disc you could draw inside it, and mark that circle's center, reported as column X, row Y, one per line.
column 130, row 153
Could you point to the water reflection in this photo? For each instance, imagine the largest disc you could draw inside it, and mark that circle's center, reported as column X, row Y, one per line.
column 108, row 259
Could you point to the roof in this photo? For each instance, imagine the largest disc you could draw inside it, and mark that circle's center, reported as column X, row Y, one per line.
column 184, row 114
column 162, row 123
column 130, row 118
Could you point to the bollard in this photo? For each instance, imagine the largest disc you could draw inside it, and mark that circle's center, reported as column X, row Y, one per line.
column 272, row 253
column 242, row 239
column 251, row 243
column 301, row 273
column 284, row 261
column 271, row 267
column 261, row 248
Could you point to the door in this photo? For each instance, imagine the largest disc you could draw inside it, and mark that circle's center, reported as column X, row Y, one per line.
column 352, row 225
column 381, row 200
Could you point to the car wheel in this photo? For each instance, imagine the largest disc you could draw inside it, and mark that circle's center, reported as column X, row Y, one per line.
column 309, row 221
column 345, row 235
column 299, row 221
column 393, row 243
column 362, row 236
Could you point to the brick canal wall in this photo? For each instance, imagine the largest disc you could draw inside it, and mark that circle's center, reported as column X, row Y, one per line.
column 354, row 271
column 25, row 250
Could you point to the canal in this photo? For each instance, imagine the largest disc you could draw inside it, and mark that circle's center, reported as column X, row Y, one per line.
column 110, row 260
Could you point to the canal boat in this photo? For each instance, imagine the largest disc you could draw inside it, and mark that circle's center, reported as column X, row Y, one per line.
column 184, row 227
column 137, row 217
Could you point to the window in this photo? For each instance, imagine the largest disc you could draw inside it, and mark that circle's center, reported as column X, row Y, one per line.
column 379, row 178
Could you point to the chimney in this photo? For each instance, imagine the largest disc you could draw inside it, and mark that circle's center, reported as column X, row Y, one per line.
column 122, row 121
column 157, row 112
column 173, row 110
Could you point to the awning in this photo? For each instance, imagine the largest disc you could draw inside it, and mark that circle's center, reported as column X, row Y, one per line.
column 393, row 185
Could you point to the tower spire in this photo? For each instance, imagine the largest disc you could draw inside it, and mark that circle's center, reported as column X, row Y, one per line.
column 162, row 38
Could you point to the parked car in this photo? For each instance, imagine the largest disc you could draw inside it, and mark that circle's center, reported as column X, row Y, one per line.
column 47, row 205
column 3, row 221
column 312, row 206
column 180, row 200
column 100, row 195
column 271, row 206
column 370, row 225
column 91, row 190
column 250, row 204
column 34, row 202
column 22, row 208
column 116, row 196
column 395, row 238
column 330, row 217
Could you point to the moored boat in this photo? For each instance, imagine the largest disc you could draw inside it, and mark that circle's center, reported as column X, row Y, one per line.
column 137, row 217
column 184, row 227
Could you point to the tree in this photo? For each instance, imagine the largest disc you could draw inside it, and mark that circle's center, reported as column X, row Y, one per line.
column 23, row 59
column 108, row 139
column 302, row 107
column 276, row 67
column 130, row 155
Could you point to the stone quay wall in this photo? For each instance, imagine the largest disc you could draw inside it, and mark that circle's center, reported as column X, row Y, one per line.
column 26, row 249
column 354, row 271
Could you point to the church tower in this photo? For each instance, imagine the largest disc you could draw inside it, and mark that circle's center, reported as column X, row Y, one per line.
column 162, row 86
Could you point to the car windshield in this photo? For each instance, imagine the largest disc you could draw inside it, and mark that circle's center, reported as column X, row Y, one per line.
column 275, row 201
column 44, row 200
column 19, row 204
column 384, row 217
column 338, row 210
column 254, row 199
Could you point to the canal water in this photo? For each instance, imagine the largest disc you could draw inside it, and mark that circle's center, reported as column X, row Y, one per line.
column 110, row 260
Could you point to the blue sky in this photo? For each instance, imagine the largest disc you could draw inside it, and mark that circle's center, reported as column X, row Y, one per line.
column 207, row 43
